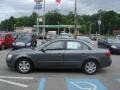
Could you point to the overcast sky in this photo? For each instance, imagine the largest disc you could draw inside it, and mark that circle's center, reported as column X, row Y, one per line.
column 18, row 8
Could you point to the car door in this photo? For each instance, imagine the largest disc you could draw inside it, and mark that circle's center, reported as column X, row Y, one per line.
column 75, row 53
column 6, row 40
column 52, row 57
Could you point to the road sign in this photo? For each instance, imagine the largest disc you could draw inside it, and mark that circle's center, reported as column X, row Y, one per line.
column 84, row 84
column 38, row 6
column 38, row 1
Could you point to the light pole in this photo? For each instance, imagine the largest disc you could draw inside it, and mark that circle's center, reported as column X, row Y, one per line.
column 44, row 21
column 99, row 24
column 14, row 27
column 75, row 19
column 90, row 28
column 58, row 27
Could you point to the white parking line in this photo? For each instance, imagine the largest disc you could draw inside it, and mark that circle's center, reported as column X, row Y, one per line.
column 11, row 77
column 14, row 83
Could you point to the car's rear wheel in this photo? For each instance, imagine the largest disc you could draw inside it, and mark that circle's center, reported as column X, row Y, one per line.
column 24, row 65
column 90, row 67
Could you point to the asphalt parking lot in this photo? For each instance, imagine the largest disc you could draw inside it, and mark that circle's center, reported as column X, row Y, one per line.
column 105, row 79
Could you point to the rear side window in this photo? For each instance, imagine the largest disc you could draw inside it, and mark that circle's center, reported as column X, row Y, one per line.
column 73, row 45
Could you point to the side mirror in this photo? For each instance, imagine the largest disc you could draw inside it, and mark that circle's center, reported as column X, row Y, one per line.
column 43, row 50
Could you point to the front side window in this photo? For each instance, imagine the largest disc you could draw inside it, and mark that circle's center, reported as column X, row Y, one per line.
column 56, row 46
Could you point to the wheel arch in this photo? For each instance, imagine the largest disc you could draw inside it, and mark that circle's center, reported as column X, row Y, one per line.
column 19, row 58
column 92, row 59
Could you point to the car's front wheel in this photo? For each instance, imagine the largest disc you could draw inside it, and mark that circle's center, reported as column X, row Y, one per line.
column 24, row 65
column 90, row 67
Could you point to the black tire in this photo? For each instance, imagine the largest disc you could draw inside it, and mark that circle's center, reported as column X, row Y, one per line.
column 28, row 67
column 90, row 70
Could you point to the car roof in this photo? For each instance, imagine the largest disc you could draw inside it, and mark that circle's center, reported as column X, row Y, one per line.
column 66, row 39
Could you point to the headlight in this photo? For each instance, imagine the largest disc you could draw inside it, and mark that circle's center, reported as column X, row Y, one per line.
column 9, row 56
column 28, row 44
column 113, row 46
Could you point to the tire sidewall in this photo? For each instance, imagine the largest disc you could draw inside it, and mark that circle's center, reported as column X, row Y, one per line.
column 85, row 66
column 24, row 59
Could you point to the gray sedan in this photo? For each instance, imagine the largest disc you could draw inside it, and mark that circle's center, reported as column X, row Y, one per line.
column 60, row 54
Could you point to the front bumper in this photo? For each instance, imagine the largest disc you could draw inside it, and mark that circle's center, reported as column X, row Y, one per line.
column 10, row 62
column 115, row 50
column 106, row 63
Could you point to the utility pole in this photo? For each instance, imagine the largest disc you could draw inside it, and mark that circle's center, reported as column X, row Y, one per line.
column 75, row 19
column 58, row 27
column 99, row 22
column 44, row 21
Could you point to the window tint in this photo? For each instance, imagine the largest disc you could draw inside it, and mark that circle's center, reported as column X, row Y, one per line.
column 76, row 46
column 56, row 46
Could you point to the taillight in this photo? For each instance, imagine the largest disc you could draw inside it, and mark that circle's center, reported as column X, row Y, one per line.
column 108, row 54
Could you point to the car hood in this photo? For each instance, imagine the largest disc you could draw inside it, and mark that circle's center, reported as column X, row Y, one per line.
column 23, row 41
column 19, row 51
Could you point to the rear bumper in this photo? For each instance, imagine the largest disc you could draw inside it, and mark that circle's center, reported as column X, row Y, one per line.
column 106, row 63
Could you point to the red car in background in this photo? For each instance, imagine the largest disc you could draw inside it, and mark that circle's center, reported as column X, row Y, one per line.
column 6, row 40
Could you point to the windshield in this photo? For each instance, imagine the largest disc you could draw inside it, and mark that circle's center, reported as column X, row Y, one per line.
column 24, row 37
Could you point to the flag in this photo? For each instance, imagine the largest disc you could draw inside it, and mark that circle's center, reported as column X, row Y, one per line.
column 58, row 2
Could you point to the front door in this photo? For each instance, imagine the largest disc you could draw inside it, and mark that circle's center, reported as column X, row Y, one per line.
column 52, row 57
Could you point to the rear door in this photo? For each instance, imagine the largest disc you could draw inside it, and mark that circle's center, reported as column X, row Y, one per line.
column 75, row 53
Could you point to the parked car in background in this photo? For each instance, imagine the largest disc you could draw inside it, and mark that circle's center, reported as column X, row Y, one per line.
column 6, row 40
column 60, row 54
column 65, row 36
column 93, row 36
column 24, row 40
column 84, row 38
column 51, row 35
column 14, row 34
column 118, row 36
column 113, row 44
